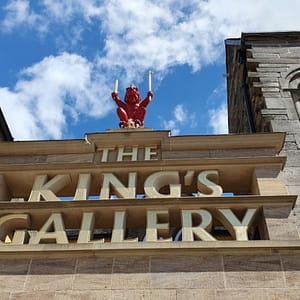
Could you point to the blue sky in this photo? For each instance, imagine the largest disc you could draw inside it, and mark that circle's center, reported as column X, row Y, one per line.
column 59, row 60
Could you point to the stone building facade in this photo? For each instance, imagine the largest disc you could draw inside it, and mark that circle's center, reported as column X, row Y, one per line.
column 196, row 217
column 139, row 214
column 263, row 71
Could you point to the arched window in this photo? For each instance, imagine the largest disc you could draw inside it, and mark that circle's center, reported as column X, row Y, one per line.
column 296, row 98
column 291, row 83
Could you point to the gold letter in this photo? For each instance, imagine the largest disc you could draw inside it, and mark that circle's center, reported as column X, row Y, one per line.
column 120, row 190
column 87, row 228
column 157, row 180
column 118, row 232
column 154, row 229
column 56, row 225
column 190, row 232
column 149, row 153
column 133, row 154
column 83, row 187
column 47, row 190
column 206, row 187
column 105, row 153
column 9, row 224
column 237, row 229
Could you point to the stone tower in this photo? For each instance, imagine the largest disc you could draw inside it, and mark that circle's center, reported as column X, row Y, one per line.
column 263, row 86
column 5, row 134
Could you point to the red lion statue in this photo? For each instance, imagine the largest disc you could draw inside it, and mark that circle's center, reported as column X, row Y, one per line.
column 132, row 111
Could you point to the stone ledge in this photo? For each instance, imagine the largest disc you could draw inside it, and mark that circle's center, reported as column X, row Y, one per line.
column 153, row 248
column 70, row 208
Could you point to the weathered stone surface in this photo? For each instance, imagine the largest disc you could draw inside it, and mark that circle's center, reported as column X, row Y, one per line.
column 294, row 189
column 12, row 283
column 130, row 294
column 180, row 277
column 14, row 266
column 131, row 265
column 253, row 272
column 50, row 274
column 271, row 74
column 92, row 282
column 293, row 158
column 271, row 60
column 270, row 89
column 291, row 266
column 269, row 80
column 274, row 111
column 282, row 229
column 290, row 145
column 292, row 175
column 289, row 137
column 272, row 95
column 297, row 137
column 93, row 273
column 285, row 94
column 131, row 273
column 266, row 50
column 292, row 113
column 242, row 153
column 279, row 65
column 286, row 294
column 182, row 280
column 94, row 265
column 164, row 294
column 258, row 294
column 45, row 282
column 197, row 294
column 264, row 53
column 275, row 103
column 285, row 126
column 34, row 159
column 33, row 296
column 131, row 281
column 285, row 59
column 86, row 295
column 57, row 266
column 70, row 158
column 245, row 294
column 5, row 296
column 187, row 272
column 266, row 84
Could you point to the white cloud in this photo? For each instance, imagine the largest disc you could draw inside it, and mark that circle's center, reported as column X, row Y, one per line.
column 136, row 35
column 180, row 113
column 65, row 10
column 18, row 12
column 218, row 119
column 180, row 117
column 158, row 34
column 40, row 15
column 163, row 34
column 50, row 91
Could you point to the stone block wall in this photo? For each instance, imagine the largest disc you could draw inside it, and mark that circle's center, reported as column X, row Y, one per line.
column 273, row 64
column 152, row 277
column 238, row 121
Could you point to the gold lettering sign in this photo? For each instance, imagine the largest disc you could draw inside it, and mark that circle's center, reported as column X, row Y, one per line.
column 196, row 224
column 153, row 190
column 44, row 189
